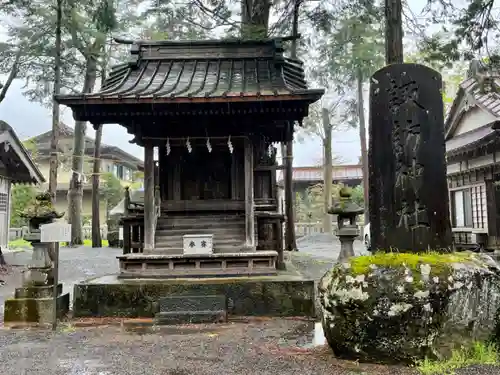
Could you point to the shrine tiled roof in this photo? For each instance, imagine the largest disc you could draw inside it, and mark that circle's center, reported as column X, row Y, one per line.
column 194, row 71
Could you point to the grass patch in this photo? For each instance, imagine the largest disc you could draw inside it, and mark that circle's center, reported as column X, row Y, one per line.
column 479, row 354
column 21, row 244
column 438, row 261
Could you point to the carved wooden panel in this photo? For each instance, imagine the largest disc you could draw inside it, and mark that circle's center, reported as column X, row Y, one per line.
column 407, row 181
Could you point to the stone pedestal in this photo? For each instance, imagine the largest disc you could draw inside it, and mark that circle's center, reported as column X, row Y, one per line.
column 347, row 235
column 39, row 270
column 35, row 304
column 34, row 301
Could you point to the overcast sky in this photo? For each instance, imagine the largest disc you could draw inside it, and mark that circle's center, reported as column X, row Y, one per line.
column 30, row 119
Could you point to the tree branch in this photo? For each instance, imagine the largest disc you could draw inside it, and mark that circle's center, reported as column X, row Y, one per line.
column 12, row 75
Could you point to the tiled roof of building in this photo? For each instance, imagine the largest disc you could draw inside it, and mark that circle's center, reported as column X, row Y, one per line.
column 67, row 131
column 470, row 139
column 203, row 71
column 486, row 95
column 16, row 159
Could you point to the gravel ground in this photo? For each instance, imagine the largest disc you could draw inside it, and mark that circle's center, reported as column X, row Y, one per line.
column 257, row 346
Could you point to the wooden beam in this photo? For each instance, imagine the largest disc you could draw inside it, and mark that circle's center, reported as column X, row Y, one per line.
column 149, row 204
column 290, row 242
column 249, row 201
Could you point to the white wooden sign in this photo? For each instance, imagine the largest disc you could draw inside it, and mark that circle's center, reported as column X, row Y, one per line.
column 197, row 244
column 120, row 233
column 55, row 232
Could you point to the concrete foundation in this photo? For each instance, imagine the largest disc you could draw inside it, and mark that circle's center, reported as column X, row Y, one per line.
column 286, row 294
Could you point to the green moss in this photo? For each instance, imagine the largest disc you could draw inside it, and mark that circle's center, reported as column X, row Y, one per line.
column 439, row 262
column 479, row 354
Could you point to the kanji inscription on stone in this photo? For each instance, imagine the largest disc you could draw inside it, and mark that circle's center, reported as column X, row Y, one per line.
column 408, row 194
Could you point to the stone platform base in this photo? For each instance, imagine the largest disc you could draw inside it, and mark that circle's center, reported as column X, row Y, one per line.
column 286, row 294
column 35, row 305
column 151, row 265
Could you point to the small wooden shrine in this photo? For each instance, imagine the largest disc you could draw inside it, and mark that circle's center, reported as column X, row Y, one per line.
column 214, row 110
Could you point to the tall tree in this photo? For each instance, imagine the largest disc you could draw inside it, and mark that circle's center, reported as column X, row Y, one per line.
column 89, row 39
column 54, row 141
column 393, row 32
column 351, row 49
column 323, row 119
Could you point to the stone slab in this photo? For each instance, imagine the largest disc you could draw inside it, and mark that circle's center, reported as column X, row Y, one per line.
column 408, row 190
column 286, row 294
column 192, row 303
column 45, row 291
column 36, row 310
column 190, row 317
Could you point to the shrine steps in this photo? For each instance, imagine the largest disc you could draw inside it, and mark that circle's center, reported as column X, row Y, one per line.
column 228, row 231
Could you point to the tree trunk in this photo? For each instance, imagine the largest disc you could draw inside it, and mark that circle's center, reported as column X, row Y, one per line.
column 12, row 75
column 393, row 32
column 96, row 223
column 75, row 193
column 254, row 18
column 54, row 139
column 362, row 140
column 295, row 28
column 327, row 170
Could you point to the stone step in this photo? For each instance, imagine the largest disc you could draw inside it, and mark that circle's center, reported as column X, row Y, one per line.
column 216, row 239
column 37, row 291
column 216, row 247
column 35, row 310
column 192, row 309
column 177, row 249
column 202, row 215
column 216, row 231
column 190, row 317
column 199, row 225
column 192, row 302
column 218, row 218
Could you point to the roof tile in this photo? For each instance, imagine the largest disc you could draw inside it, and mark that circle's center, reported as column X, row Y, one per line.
column 171, row 70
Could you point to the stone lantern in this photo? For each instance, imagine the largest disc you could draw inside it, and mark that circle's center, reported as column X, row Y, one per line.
column 34, row 301
column 41, row 212
column 347, row 212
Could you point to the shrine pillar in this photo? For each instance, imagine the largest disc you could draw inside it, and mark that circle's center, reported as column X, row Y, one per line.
column 249, row 195
column 290, row 241
column 149, row 192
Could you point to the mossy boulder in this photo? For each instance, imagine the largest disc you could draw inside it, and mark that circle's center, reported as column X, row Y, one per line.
column 401, row 307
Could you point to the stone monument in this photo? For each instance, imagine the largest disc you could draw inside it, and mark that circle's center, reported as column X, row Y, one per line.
column 413, row 298
column 33, row 302
column 408, row 193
